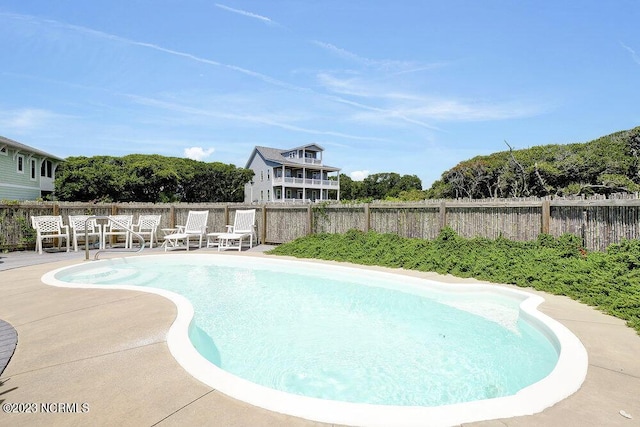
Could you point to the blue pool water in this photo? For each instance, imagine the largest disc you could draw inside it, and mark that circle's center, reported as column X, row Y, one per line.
column 357, row 336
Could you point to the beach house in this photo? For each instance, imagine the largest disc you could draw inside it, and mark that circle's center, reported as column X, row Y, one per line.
column 26, row 173
column 291, row 175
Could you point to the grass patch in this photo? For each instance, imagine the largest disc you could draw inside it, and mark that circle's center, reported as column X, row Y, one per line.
column 609, row 281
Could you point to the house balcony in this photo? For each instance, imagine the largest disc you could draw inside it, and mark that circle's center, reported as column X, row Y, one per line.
column 306, row 183
column 306, row 160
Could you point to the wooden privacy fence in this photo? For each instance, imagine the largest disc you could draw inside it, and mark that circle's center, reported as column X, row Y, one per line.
column 598, row 222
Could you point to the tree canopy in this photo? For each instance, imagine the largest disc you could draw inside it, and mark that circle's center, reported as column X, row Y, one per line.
column 604, row 165
column 381, row 186
column 149, row 178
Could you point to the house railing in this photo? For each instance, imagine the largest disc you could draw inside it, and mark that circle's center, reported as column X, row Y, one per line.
column 306, row 160
column 306, row 181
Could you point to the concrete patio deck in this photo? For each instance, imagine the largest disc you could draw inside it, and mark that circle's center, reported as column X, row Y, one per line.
column 101, row 356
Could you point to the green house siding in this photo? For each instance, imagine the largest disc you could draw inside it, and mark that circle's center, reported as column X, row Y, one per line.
column 15, row 185
column 20, row 171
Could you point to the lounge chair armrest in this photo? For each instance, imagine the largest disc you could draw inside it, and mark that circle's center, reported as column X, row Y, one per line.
column 229, row 228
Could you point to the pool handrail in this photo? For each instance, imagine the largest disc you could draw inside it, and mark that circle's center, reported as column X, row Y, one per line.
column 109, row 218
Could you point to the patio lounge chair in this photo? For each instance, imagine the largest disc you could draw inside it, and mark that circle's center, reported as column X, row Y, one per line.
column 118, row 226
column 196, row 226
column 78, row 224
column 243, row 227
column 148, row 226
column 49, row 227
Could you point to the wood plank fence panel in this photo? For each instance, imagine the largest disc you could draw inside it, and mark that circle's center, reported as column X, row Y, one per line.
column 338, row 219
column 520, row 223
column 287, row 224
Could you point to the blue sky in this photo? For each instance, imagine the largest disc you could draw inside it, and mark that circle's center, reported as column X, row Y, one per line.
column 411, row 87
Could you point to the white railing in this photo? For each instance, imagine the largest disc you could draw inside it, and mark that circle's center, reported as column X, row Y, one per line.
column 306, row 160
column 307, row 182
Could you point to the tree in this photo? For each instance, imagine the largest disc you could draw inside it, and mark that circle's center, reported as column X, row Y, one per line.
column 149, row 178
column 389, row 184
column 607, row 164
column 350, row 189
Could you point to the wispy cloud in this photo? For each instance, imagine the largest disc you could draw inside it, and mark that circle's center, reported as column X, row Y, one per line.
column 112, row 37
column 417, row 108
column 245, row 13
column 448, row 110
column 267, row 79
column 26, row 119
column 260, row 119
column 401, row 67
column 343, row 53
column 633, row 53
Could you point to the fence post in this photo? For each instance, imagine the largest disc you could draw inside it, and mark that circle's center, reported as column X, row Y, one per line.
column 583, row 227
column 172, row 216
column 309, row 220
column 546, row 217
column 367, row 218
column 442, row 217
column 263, row 232
column 226, row 215
column 56, row 209
column 114, row 209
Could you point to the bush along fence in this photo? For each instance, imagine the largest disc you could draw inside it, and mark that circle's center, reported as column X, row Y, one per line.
column 599, row 222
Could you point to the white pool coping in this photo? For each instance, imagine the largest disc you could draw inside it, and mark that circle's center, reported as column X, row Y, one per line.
column 565, row 379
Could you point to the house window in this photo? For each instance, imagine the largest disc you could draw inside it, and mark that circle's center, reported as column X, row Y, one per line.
column 46, row 169
column 261, row 175
column 20, row 166
column 261, row 195
column 278, row 193
column 268, row 195
column 33, row 169
column 268, row 175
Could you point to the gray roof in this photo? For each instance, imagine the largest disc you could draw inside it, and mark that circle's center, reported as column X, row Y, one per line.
column 277, row 155
column 22, row 147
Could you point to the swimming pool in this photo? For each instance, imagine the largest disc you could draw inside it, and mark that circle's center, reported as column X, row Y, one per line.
column 273, row 300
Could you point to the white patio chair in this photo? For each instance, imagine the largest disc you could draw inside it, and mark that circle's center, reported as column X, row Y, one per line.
column 49, row 227
column 117, row 226
column 196, row 226
column 81, row 228
column 243, row 227
column 148, row 226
